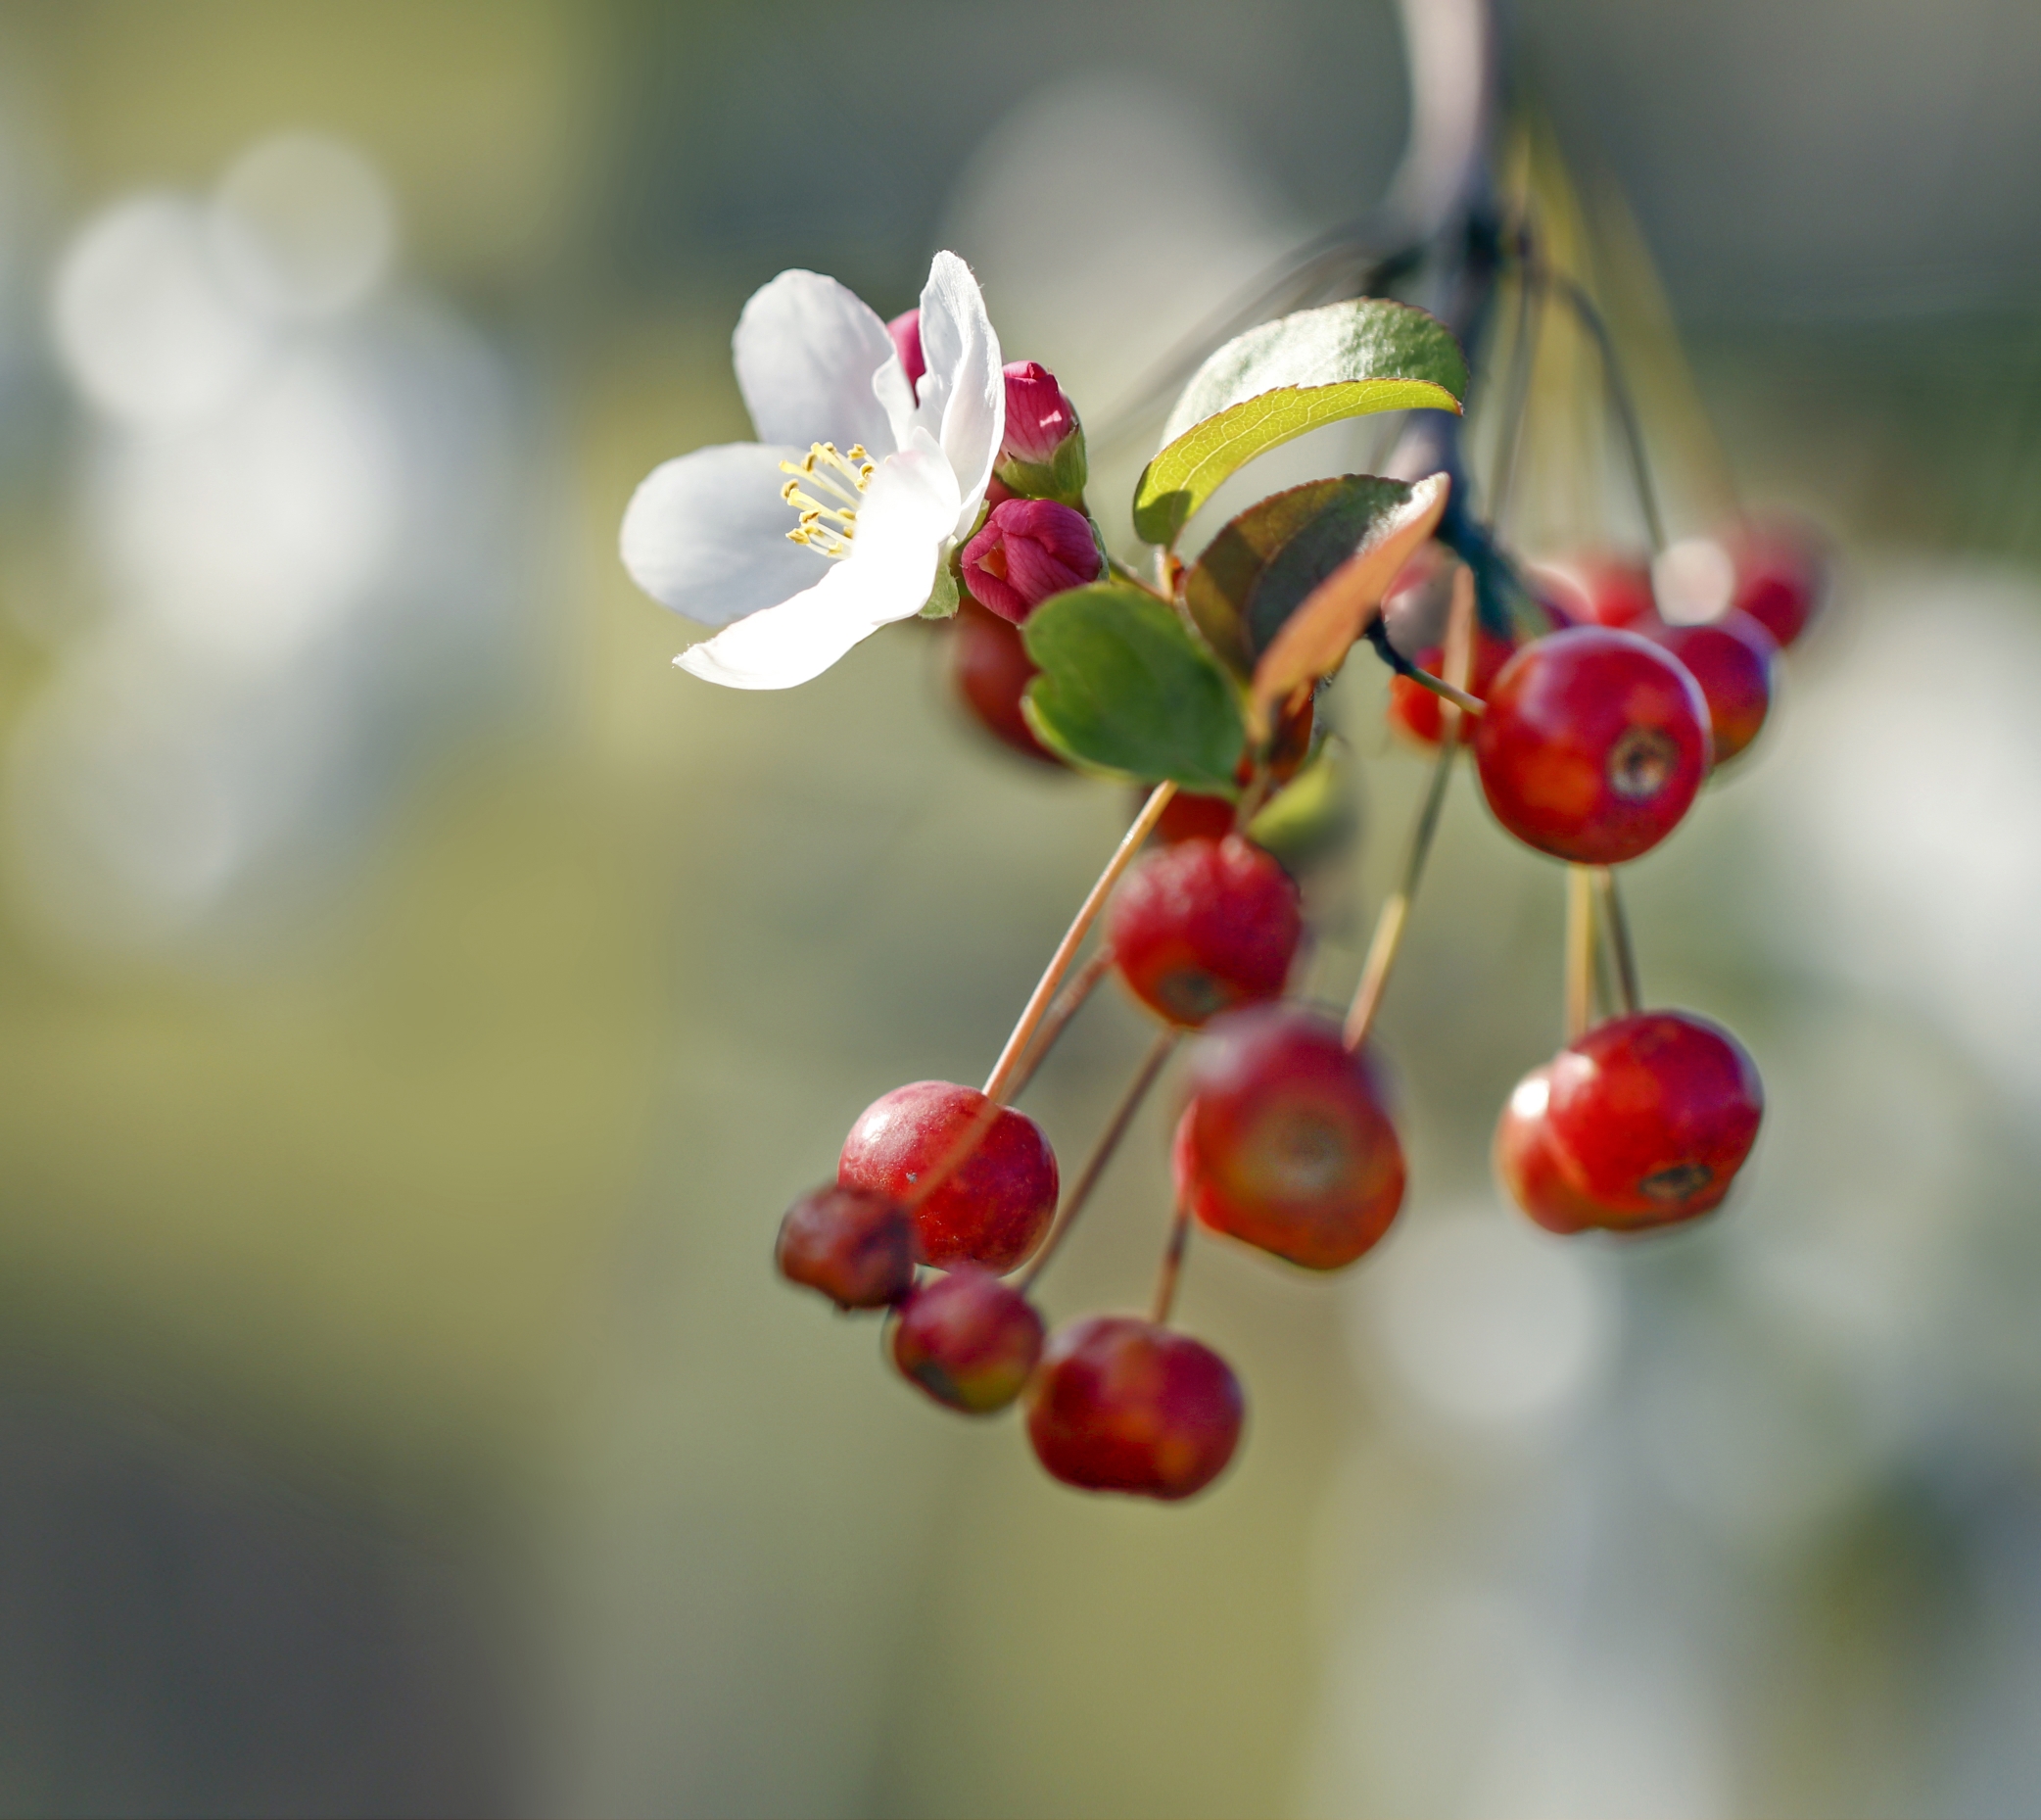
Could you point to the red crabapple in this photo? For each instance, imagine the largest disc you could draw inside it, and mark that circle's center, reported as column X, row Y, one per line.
column 992, row 670
column 1782, row 567
column 1653, row 1114
column 1188, row 816
column 1731, row 657
column 856, row 1246
column 1203, row 926
column 1285, row 1143
column 1418, row 710
column 1122, row 1405
column 1523, row 1161
column 1598, row 588
column 969, row 1339
column 1593, row 745
column 992, row 1208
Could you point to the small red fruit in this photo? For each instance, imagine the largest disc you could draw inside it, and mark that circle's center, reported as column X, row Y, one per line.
column 856, row 1246
column 1188, row 816
column 1203, row 926
column 992, row 1209
column 1781, row 570
column 1527, row 1167
column 1598, row 588
column 1731, row 657
column 1122, row 1405
column 969, row 1339
column 1285, row 1144
column 992, row 670
column 1593, row 745
column 1653, row 1114
column 1418, row 711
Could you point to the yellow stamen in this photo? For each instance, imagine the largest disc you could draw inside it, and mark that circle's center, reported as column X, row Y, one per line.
column 836, row 475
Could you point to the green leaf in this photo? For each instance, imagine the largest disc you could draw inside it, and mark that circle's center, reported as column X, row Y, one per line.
column 942, row 600
column 1264, row 564
column 1277, row 381
column 1313, row 817
column 1127, row 689
column 1315, row 638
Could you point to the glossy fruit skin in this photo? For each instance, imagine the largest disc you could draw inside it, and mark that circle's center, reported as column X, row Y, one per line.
column 1732, row 660
column 969, row 1339
column 1652, row 1115
column 992, row 1209
column 852, row 1245
column 1417, row 711
column 992, row 670
column 1203, row 926
column 1122, row 1405
column 1285, row 1143
column 1593, row 745
column 1526, row 1168
column 1600, row 588
column 1782, row 568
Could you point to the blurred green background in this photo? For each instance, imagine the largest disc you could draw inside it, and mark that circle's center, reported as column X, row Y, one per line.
column 418, row 1000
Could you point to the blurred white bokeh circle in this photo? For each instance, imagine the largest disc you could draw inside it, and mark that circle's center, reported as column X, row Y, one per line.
column 305, row 225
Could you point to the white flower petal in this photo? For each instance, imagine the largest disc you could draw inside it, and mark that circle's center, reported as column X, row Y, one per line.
column 706, row 534
column 964, row 394
column 903, row 532
column 806, row 350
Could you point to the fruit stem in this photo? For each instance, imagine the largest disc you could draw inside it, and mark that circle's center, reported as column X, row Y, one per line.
column 1061, row 1011
column 1395, row 908
column 1167, row 1277
column 1102, row 1152
column 999, row 1087
column 1618, row 937
column 1621, row 405
column 1523, row 363
column 1377, row 634
column 1579, row 951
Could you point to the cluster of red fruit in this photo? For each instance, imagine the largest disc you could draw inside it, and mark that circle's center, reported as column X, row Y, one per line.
column 1591, row 741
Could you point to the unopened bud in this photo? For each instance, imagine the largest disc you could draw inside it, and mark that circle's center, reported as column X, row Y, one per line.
column 1043, row 454
column 906, row 331
column 1028, row 551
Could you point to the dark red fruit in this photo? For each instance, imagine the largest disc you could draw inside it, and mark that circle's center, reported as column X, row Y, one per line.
column 990, row 1209
column 854, row 1246
column 1203, row 926
column 1731, row 657
column 1598, row 588
column 1653, row 1114
column 1418, row 711
column 1285, row 1143
column 1527, row 1167
column 969, row 1339
column 992, row 669
column 1782, row 569
column 1593, row 745
column 1122, row 1405
column 1188, row 816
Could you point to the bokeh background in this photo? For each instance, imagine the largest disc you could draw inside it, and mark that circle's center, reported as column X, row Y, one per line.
column 418, row 1000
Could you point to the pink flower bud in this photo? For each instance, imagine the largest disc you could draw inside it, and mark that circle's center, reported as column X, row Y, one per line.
column 1029, row 550
column 1038, row 415
column 906, row 331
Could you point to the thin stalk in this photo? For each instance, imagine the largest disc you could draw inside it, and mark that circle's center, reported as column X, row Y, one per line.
column 1396, row 909
column 1579, row 951
column 1377, row 635
column 1618, row 937
column 1102, row 1152
column 1096, row 967
column 1172, row 1272
column 999, row 1086
column 1621, row 405
column 1516, row 407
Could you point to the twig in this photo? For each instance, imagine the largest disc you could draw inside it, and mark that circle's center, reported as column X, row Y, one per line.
column 1102, row 1152
column 999, row 1086
column 1395, row 908
column 1618, row 937
column 1172, row 1272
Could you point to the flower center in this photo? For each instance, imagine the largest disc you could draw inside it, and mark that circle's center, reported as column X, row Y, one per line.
column 826, row 489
